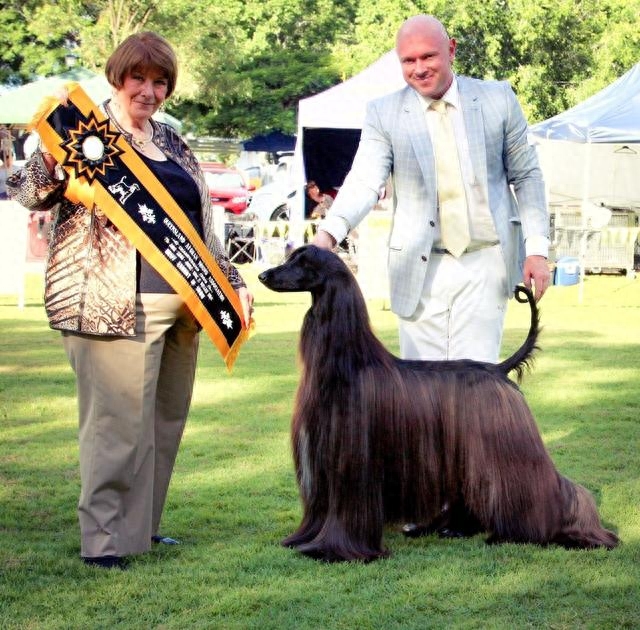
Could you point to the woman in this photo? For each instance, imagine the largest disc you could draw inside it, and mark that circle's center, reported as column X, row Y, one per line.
column 130, row 339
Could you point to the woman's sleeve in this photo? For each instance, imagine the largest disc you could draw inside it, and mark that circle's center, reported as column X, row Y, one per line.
column 33, row 187
column 229, row 270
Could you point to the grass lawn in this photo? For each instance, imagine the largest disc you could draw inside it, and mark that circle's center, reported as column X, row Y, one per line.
column 233, row 495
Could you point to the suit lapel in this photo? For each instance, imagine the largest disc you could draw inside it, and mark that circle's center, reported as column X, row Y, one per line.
column 416, row 125
column 474, row 127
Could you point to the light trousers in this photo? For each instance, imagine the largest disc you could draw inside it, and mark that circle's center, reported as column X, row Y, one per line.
column 134, row 395
column 461, row 312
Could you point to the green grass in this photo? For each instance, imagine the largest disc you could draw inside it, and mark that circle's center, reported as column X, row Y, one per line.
column 233, row 495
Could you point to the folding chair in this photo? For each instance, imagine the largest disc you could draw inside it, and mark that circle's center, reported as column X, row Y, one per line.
column 241, row 242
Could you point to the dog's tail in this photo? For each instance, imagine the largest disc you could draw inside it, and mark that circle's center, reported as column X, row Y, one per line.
column 522, row 359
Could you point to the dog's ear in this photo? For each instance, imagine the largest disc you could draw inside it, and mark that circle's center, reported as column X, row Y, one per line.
column 297, row 253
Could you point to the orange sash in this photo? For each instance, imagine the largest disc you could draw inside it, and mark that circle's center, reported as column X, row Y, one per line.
column 105, row 170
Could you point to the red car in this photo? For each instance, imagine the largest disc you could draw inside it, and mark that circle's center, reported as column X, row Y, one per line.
column 227, row 187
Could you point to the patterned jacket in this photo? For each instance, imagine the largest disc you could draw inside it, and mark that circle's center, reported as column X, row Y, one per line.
column 90, row 284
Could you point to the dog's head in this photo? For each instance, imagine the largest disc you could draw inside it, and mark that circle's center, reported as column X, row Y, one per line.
column 309, row 268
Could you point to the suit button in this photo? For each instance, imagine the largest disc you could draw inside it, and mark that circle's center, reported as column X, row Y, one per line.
column 424, row 258
column 432, row 224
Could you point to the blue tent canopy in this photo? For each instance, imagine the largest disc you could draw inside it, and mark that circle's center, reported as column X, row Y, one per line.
column 612, row 115
column 273, row 142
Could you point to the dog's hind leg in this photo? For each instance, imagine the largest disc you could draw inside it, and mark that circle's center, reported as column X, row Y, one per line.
column 457, row 521
column 581, row 528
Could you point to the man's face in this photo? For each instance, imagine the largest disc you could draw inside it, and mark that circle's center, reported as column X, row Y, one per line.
column 426, row 56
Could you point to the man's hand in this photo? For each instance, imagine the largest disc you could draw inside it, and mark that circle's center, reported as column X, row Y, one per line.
column 324, row 240
column 536, row 269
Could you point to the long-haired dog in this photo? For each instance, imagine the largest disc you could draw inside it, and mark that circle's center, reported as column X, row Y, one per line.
column 377, row 439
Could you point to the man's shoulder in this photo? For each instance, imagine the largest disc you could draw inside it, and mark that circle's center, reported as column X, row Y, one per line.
column 482, row 86
column 393, row 99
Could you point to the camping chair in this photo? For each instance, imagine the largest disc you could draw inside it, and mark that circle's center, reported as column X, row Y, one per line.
column 240, row 242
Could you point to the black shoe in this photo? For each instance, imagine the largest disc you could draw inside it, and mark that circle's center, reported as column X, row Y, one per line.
column 412, row 530
column 164, row 540
column 106, row 562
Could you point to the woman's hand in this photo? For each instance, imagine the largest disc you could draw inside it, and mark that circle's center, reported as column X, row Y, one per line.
column 49, row 162
column 62, row 94
column 246, row 300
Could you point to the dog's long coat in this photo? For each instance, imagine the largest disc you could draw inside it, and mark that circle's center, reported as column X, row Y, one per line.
column 377, row 439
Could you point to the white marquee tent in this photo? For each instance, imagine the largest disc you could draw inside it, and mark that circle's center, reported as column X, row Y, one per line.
column 330, row 122
column 343, row 106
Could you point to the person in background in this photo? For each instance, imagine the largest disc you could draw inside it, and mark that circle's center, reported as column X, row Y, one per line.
column 470, row 216
column 6, row 148
column 130, row 339
column 6, row 159
column 318, row 203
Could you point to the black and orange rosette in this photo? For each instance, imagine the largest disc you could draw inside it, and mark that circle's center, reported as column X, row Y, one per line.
column 105, row 171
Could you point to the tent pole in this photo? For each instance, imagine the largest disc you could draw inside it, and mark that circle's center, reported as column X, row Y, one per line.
column 583, row 219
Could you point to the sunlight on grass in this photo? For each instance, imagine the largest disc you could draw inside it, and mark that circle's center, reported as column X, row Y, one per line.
column 234, row 497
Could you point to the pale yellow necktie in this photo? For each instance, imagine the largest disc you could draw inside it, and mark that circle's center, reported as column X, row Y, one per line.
column 454, row 219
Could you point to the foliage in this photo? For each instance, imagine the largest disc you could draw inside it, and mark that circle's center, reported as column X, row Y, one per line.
column 279, row 55
column 245, row 65
column 616, row 51
column 233, row 496
column 36, row 36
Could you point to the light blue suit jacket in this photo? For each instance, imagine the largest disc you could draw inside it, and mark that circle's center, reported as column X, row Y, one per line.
column 395, row 141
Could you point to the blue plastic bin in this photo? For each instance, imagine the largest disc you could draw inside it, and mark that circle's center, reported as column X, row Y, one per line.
column 567, row 271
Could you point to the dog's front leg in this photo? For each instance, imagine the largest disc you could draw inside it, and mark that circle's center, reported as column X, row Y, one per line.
column 312, row 485
column 353, row 524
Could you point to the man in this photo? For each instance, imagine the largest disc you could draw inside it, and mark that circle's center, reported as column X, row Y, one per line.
column 450, row 294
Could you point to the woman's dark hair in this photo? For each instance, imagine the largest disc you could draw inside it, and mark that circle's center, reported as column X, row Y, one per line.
column 142, row 52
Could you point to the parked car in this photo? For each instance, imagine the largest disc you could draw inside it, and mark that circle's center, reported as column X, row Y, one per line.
column 272, row 202
column 227, row 187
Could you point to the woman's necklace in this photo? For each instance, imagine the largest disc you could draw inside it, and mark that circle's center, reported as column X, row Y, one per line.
column 140, row 143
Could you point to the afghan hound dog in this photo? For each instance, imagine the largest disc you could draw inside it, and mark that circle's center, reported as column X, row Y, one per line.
column 380, row 440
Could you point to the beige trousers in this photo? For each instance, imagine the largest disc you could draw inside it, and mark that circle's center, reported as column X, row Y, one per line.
column 461, row 311
column 134, row 395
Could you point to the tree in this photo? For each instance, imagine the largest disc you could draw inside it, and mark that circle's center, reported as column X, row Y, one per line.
column 273, row 53
column 244, row 65
column 36, row 38
column 615, row 52
column 552, row 51
column 111, row 22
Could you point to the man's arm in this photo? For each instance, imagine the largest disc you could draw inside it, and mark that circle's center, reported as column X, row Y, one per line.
column 525, row 176
column 360, row 190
